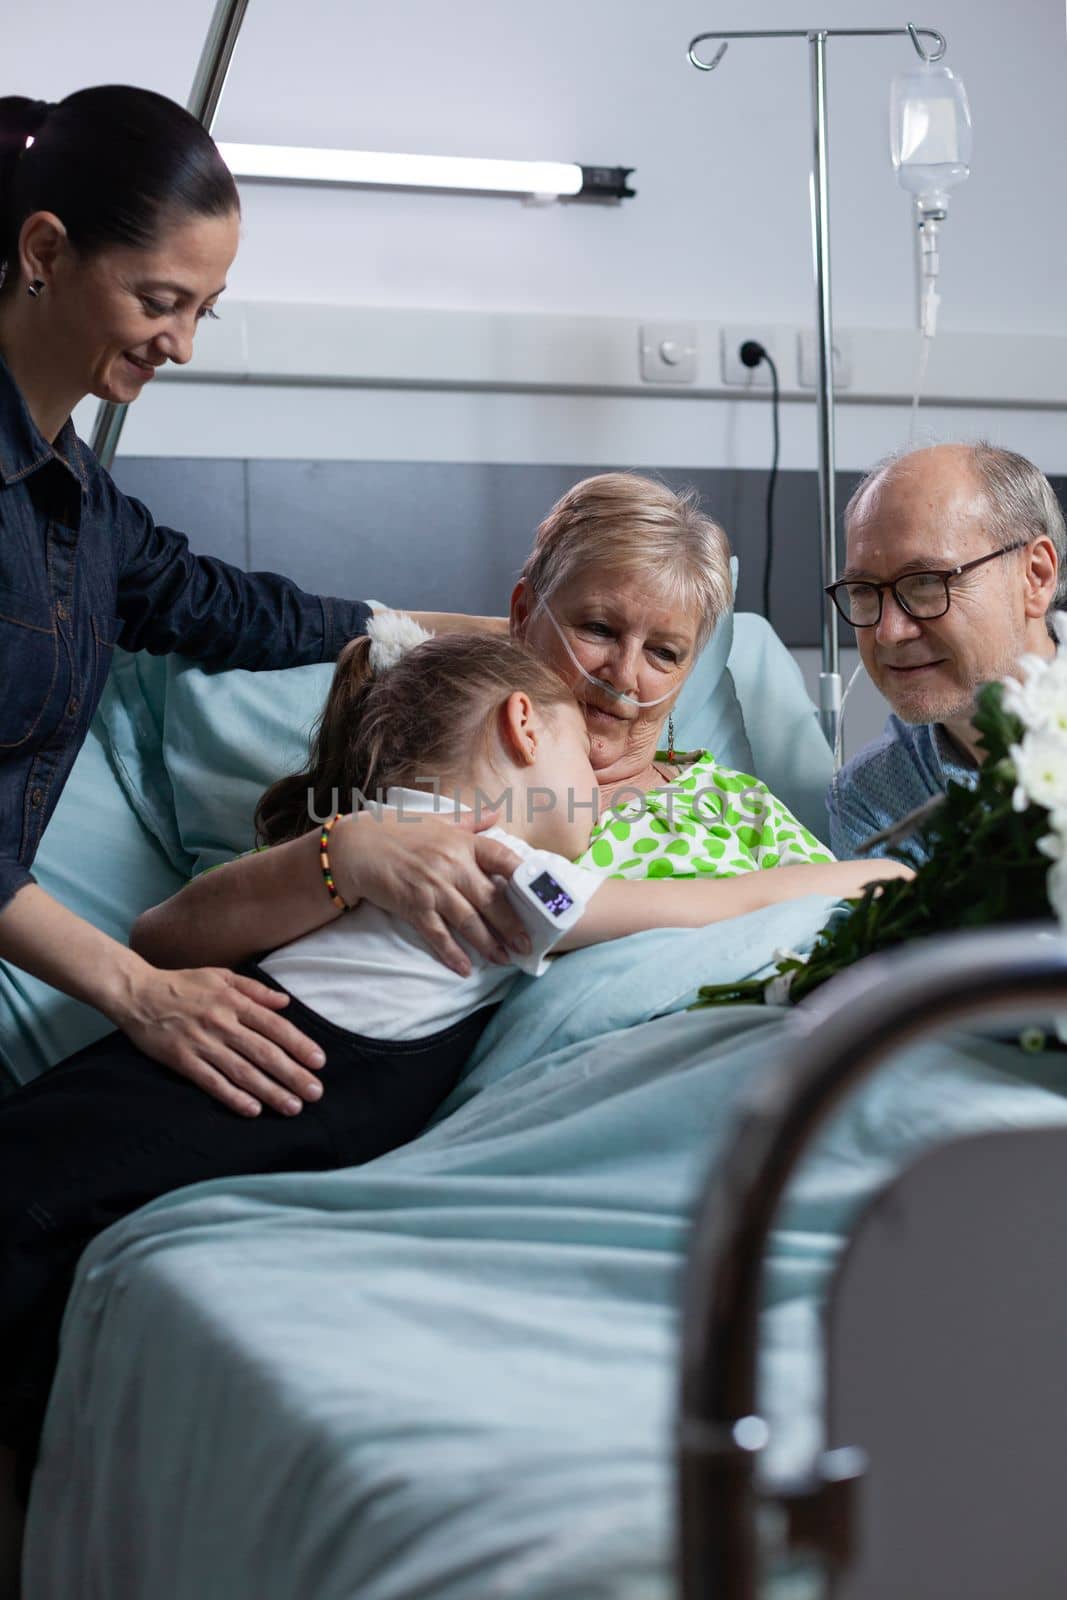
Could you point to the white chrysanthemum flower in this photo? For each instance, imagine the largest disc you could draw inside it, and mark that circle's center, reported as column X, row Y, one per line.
column 1041, row 701
column 1040, row 771
column 1054, row 844
column 1016, row 698
column 392, row 635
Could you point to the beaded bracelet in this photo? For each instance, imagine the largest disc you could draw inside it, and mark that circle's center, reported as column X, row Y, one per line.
column 324, row 840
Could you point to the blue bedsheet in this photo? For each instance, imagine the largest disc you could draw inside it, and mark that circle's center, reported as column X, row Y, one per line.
column 451, row 1373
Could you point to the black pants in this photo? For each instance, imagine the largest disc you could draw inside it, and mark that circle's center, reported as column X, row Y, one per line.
column 109, row 1129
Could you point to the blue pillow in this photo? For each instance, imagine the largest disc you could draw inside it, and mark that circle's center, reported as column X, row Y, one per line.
column 227, row 736
column 707, row 713
column 98, row 860
column 132, row 713
column 790, row 753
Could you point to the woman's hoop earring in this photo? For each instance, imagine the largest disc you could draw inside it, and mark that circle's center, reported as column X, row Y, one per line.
column 34, row 290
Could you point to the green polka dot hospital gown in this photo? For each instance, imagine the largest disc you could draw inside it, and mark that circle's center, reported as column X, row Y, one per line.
column 709, row 822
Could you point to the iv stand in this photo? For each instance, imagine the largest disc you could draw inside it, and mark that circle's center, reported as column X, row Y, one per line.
column 203, row 103
column 830, row 676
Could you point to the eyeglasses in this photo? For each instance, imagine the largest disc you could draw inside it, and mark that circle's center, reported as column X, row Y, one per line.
column 923, row 595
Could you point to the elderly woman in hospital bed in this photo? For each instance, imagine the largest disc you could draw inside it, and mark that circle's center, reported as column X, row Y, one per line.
column 622, row 590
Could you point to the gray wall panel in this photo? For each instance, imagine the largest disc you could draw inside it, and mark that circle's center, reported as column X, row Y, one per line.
column 452, row 536
column 426, row 535
column 203, row 498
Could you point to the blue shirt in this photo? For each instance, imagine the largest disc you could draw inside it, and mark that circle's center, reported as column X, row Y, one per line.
column 82, row 569
column 907, row 766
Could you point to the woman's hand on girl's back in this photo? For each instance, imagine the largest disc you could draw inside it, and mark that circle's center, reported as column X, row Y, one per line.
column 437, row 872
column 223, row 1032
column 218, row 1028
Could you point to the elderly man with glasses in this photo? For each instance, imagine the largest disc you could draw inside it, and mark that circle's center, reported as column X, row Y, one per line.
column 954, row 557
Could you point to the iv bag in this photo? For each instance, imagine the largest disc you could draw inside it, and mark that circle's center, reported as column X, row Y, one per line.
column 930, row 133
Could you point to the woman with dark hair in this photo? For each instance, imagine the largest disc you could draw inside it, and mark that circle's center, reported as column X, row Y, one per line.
column 118, row 223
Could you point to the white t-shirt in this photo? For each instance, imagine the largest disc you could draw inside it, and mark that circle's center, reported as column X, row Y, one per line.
column 371, row 973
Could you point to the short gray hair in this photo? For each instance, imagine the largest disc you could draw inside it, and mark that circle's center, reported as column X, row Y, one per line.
column 1020, row 501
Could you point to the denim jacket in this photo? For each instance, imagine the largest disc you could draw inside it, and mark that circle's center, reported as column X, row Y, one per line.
column 83, row 568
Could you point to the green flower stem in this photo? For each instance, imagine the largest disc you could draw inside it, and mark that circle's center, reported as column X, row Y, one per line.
column 983, row 866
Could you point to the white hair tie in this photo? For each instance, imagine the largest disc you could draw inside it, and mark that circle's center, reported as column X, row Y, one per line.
column 392, row 635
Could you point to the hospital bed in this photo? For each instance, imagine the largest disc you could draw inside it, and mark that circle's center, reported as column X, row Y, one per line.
column 943, row 1402
column 453, row 1372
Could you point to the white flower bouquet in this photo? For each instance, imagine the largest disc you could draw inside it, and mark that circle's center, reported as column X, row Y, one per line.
column 1039, row 757
column 996, row 852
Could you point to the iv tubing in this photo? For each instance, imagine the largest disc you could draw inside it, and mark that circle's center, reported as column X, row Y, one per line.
column 930, row 220
column 839, row 742
column 920, row 379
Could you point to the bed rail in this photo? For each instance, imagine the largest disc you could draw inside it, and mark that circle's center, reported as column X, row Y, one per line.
column 842, row 1033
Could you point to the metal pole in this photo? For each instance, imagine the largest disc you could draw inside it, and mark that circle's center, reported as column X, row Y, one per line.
column 830, row 676
column 203, row 102
column 215, row 59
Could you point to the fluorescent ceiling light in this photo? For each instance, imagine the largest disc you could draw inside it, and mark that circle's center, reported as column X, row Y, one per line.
column 292, row 163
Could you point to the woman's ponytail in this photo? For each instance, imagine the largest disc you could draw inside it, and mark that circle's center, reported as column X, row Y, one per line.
column 294, row 804
column 21, row 120
column 115, row 164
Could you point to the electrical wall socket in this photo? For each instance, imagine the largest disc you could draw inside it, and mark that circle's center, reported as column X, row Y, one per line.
column 809, row 360
column 668, row 352
column 734, row 370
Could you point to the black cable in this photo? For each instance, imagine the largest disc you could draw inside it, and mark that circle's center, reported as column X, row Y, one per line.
column 771, row 484
column 752, row 353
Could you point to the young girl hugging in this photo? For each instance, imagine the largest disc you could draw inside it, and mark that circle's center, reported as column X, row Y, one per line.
column 109, row 1129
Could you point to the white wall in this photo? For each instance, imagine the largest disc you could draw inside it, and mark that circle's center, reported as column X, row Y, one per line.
column 721, row 217
column 719, row 228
